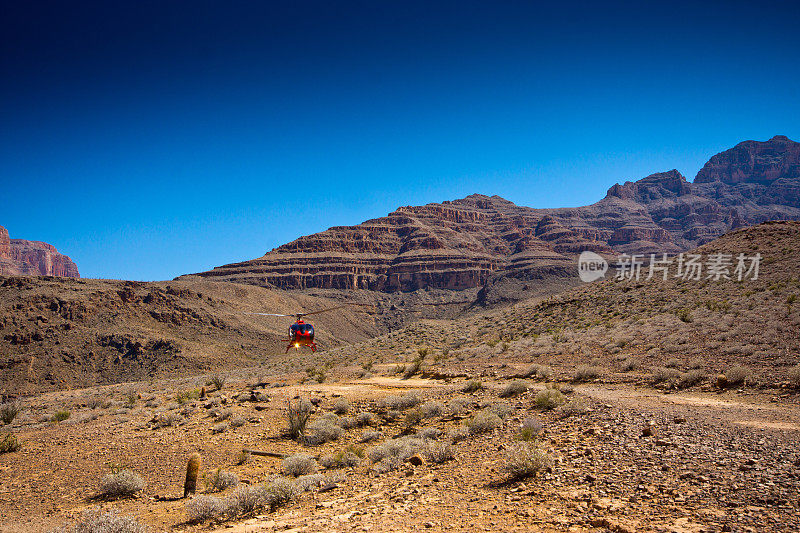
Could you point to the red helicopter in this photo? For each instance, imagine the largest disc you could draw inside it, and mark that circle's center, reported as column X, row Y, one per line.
column 301, row 333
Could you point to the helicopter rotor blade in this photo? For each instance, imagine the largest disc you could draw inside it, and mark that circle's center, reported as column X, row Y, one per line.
column 269, row 314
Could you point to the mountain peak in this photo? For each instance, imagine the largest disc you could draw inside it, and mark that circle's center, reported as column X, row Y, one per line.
column 754, row 162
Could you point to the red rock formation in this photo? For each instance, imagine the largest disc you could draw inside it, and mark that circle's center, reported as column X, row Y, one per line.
column 470, row 242
column 19, row 257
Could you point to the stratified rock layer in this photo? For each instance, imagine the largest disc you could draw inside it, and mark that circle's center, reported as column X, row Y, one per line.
column 33, row 258
column 479, row 240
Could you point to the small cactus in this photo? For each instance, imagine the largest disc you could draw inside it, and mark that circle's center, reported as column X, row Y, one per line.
column 192, row 469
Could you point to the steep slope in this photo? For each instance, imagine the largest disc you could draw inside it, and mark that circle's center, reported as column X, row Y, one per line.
column 32, row 258
column 64, row 333
column 511, row 252
column 631, row 330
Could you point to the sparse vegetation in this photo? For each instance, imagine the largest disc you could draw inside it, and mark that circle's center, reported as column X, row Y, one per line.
column 297, row 415
column 8, row 443
column 794, row 377
column 737, row 376
column 587, row 373
column 186, row 395
column 298, row 465
column 121, row 483
column 9, row 411
column 539, row 372
column 97, row 521
column 341, row 407
column 221, row 480
column 514, row 388
column 402, row 402
column 218, row 381
column 483, row 422
column 472, row 386
column 524, row 460
column 530, row 429
column 60, row 415
column 203, row 507
column 549, row 399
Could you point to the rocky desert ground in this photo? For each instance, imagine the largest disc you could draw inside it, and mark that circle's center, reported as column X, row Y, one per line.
column 621, row 405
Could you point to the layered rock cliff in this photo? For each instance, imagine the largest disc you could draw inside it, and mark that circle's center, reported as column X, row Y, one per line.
column 19, row 257
column 478, row 241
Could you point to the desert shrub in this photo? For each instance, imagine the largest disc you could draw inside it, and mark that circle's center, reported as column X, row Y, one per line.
column 341, row 407
column 413, row 417
column 298, row 465
column 530, row 429
column 472, row 386
column 672, row 363
column 500, row 409
column 400, row 402
column 167, row 419
column 321, row 431
column 665, row 376
column 514, row 388
column 431, row 409
column 222, row 427
column 692, row 378
column 370, row 435
column 794, row 377
column 60, row 415
column 8, row 443
column 238, row 421
column 297, row 415
column 348, row 422
column 524, row 460
column 458, row 434
column 695, row 364
column 340, row 459
column 185, row 395
column 483, row 422
column 413, row 368
column 281, row 490
column 737, row 375
column 587, row 373
column 131, row 397
column 457, row 405
column 9, row 411
column 96, row 521
column 684, row 314
column 243, row 457
column 366, row 418
column 540, row 372
column 438, row 452
column 222, row 480
column 574, row 407
column 218, row 381
column 121, row 483
column 429, row 433
column 311, row 481
column 219, row 416
column 549, row 399
column 202, row 507
column 629, row 364
column 246, row 500
column 393, row 452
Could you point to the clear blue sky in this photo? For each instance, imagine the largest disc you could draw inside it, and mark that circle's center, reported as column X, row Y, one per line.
column 150, row 139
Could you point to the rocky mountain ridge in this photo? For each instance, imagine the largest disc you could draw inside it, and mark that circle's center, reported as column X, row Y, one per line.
column 482, row 242
column 19, row 257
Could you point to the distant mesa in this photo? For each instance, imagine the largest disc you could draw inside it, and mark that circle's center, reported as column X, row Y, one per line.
column 480, row 240
column 19, row 257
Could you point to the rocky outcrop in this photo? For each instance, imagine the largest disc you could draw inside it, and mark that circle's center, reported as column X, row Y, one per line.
column 481, row 241
column 19, row 257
